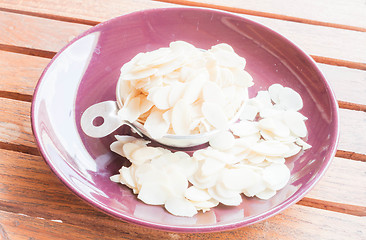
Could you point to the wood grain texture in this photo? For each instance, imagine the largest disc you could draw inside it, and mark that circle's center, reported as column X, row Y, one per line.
column 325, row 12
column 19, row 73
column 320, row 40
column 353, row 129
column 349, row 85
column 298, row 222
column 91, row 10
column 315, row 40
column 37, row 33
column 15, row 126
column 344, row 183
column 31, row 197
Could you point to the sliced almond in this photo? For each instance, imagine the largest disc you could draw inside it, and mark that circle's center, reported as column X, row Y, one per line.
column 211, row 166
column 276, row 176
column 212, row 93
column 155, row 125
column 279, row 160
column 249, row 112
column 229, row 59
column 274, row 92
column 181, row 118
column 154, row 193
column 145, row 105
column 176, row 93
column 293, row 150
column 139, row 73
column 266, row 194
column 180, row 207
column 126, row 177
column 233, row 201
column 193, row 89
column 290, row 99
column 115, row 178
column 303, row 144
column 222, row 140
column 295, row 123
column 159, row 97
column 258, row 187
column 270, row 148
column 196, row 194
column 205, row 205
column 178, row 182
column 117, row 147
column 143, row 154
column 239, row 179
column 244, row 128
column 131, row 111
column 129, row 148
column 215, row 115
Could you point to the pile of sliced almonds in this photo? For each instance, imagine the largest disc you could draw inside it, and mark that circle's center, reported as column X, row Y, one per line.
column 183, row 90
column 249, row 158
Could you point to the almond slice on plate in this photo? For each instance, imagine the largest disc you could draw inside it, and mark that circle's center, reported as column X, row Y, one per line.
column 180, row 207
column 181, row 118
column 196, row 194
column 270, row 148
column 290, row 99
column 155, row 125
column 154, row 193
column 222, row 140
column 215, row 115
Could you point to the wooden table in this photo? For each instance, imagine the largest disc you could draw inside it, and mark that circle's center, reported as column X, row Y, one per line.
column 34, row 204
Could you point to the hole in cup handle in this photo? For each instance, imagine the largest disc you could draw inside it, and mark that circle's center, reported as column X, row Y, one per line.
column 108, row 112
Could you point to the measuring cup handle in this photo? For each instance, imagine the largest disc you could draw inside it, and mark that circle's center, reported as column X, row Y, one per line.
column 107, row 113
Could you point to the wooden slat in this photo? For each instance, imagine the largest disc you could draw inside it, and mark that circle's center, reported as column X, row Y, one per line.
column 37, row 33
column 316, row 40
column 338, row 13
column 343, row 183
column 297, row 222
column 19, row 73
column 353, row 129
column 91, row 11
column 319, row 40
column 16, row 126
column 33, row 196
column 348, row 84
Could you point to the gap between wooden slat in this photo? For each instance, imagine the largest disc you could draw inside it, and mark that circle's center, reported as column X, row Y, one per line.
column 351, row 155
column 51, row 16
column 20, row 148
column 333, row 206
column 339, row 62
column 27, row 51
column 263, row 14
column 16, row 96
column 352, row 106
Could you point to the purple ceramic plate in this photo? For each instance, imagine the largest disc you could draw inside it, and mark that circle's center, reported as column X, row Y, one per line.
column 86, row 71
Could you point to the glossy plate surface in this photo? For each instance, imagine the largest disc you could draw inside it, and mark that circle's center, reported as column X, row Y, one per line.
column 86, row 71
